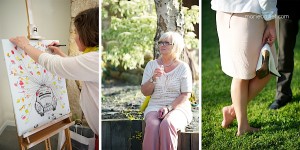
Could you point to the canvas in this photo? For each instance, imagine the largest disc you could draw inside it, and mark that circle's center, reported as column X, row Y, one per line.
column 38, row 95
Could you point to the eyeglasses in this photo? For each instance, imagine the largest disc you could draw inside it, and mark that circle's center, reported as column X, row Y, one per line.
column 164, row 43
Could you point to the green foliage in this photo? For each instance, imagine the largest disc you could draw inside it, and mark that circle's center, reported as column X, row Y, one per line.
column 191, row 17
column 133, row 115
column 279, row 129
column 132, row 30
column 138, row 135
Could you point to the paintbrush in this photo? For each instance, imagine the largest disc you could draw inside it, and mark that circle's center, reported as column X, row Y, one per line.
column 59, row 45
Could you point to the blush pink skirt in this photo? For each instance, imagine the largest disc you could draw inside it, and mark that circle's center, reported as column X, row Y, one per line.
column 240, row 39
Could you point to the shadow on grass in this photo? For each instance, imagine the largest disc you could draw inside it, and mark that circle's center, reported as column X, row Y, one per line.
column 274, row 126
column 296, row 99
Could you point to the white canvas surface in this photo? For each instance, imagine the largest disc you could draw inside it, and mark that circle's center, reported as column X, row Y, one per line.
column 38, row 96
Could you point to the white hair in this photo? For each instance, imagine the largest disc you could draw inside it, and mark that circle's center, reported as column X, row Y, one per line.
column 177, row 41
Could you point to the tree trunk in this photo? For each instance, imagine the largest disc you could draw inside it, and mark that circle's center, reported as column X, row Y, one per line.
column 170, row 17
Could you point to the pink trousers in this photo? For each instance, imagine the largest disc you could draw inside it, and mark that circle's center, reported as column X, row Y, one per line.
column 162, row 134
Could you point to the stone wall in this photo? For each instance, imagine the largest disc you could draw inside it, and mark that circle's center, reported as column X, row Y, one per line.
column 74, row 87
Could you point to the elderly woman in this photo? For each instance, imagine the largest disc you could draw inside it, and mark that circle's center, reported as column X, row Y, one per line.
column 169, row 82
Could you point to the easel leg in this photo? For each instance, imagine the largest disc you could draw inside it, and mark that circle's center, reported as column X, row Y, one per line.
column 22, row 147
column 68, row 139
column 48, row 144
column 67, row 143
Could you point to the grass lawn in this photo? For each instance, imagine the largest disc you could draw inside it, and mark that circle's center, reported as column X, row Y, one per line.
column 280, row 129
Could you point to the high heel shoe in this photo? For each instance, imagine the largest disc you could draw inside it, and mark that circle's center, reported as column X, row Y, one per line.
column 266, row 63
column 264, row 70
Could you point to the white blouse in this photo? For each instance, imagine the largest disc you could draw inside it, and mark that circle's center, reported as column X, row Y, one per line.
column 85, row 68
column 168, row 87
column 266, row 8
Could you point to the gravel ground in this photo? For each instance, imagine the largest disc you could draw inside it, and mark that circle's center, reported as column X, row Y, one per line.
column 121, row 101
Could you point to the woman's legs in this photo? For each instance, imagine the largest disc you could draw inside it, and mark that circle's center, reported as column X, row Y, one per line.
column 169, row 127
column 228, row 115
column 151, row 137
column 239, row 95
column 255, row 86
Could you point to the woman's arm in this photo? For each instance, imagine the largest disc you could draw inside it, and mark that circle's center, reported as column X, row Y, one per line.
column 148, row 88
column 180, row 100
column 269, row 12
column 83, row 67
column 149, row 79
column 268, row 9
column 269, row 35
column 23, row 43
column 56, row 50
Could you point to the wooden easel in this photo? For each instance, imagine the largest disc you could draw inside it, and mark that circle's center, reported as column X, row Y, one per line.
column 32, row 28
column 45, row 132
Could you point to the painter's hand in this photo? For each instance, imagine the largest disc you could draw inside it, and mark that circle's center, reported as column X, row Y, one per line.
column 162, row 112
column 269, row 35
column 53, row 48
column 20, row 41
column 56, row 50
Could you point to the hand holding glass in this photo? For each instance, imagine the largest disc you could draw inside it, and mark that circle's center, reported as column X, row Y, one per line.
column 158, row 72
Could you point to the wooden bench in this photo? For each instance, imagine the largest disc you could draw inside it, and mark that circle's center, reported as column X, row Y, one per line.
column 128, row 134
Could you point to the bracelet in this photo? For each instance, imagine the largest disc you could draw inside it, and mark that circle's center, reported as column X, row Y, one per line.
column 152, row 81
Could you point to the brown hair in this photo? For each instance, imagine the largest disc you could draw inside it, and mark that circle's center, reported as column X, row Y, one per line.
column 87, row 26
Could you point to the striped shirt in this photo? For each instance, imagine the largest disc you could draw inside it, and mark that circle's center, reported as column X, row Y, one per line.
column 169, row 86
